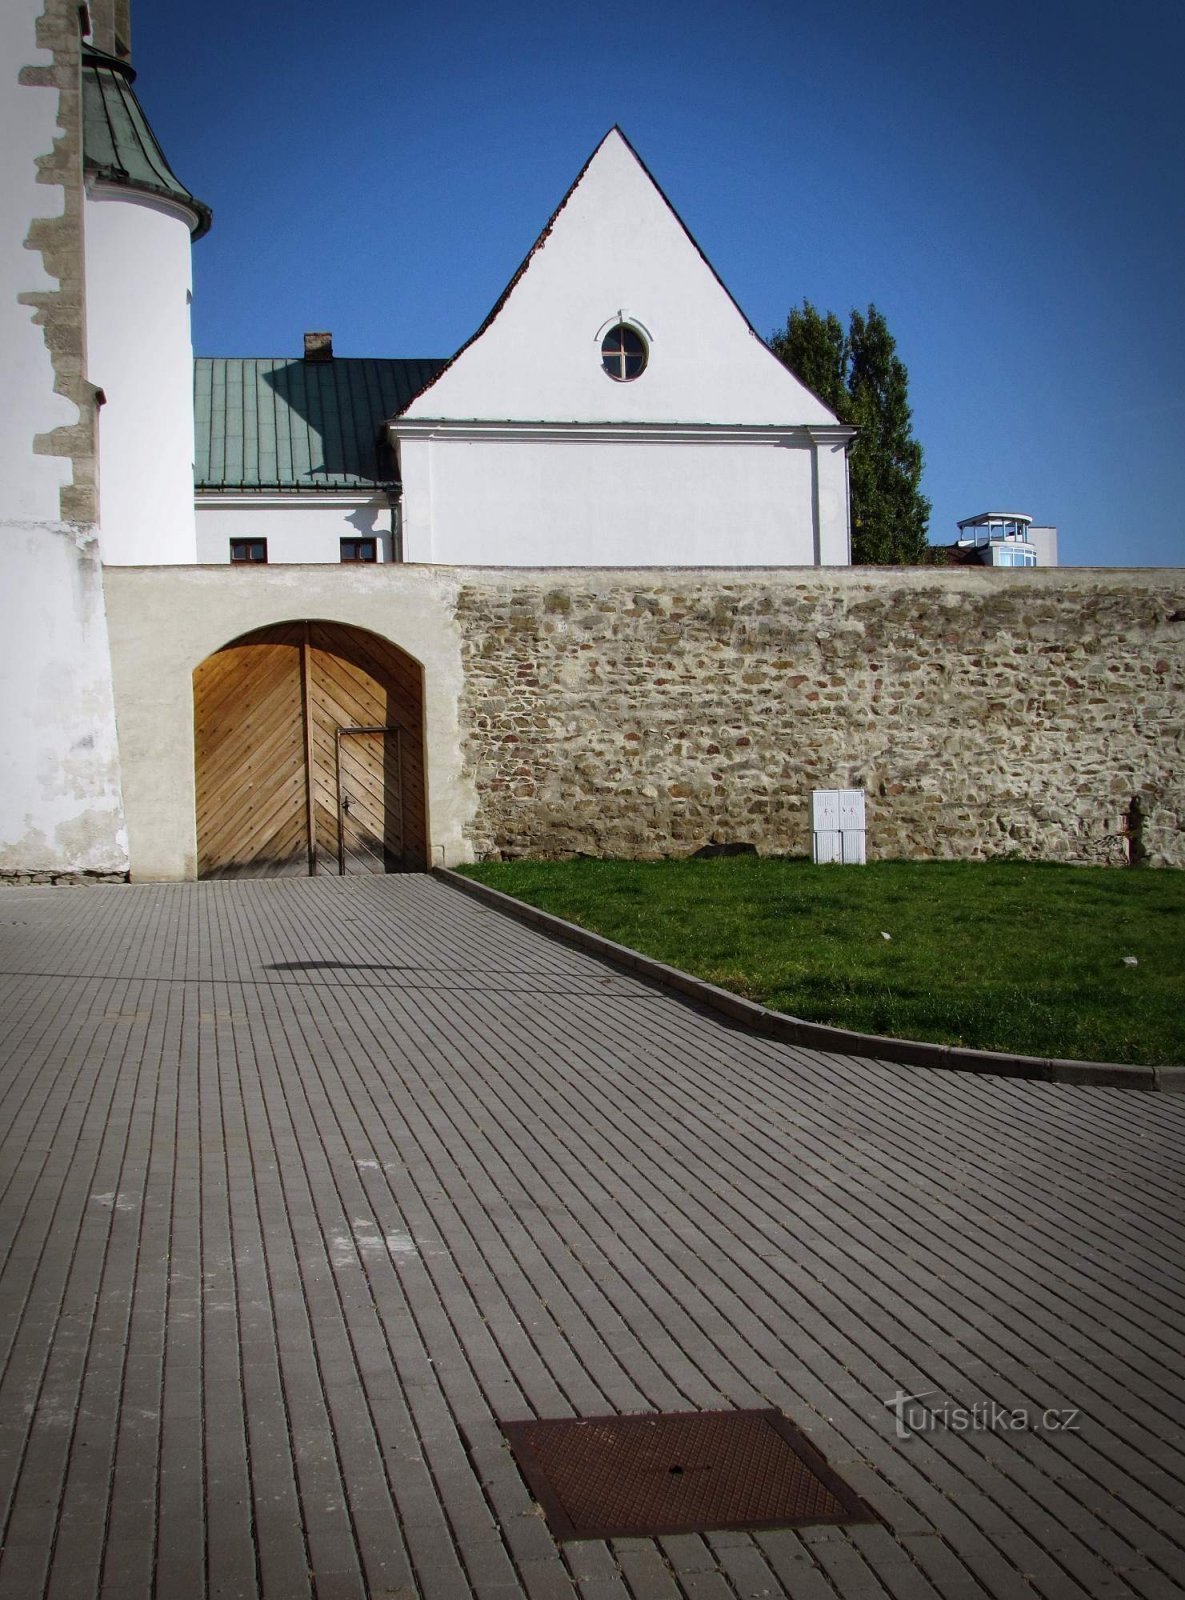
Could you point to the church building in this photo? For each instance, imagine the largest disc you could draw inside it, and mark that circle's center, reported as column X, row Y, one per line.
column 615, row 409
column 582, row 586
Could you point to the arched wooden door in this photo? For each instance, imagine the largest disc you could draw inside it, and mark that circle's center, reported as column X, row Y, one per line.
column 308, row 745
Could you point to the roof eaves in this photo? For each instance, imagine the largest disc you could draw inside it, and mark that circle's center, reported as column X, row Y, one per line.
column 358, row 487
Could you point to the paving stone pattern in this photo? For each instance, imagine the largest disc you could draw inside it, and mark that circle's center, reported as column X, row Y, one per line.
column 304, row 1183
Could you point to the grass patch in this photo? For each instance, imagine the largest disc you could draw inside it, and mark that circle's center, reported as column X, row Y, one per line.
column 1003, row 955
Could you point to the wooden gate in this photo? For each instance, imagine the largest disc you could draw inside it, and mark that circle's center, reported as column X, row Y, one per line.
column 309, row 755
column 369, row 814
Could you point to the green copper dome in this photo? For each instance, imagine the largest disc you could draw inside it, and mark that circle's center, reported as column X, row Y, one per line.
column 118, row 144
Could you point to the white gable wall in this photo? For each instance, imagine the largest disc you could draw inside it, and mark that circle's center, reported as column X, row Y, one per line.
column 616, row 246
column 526, row 451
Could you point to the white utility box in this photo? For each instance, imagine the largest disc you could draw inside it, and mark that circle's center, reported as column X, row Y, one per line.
column 837, row 826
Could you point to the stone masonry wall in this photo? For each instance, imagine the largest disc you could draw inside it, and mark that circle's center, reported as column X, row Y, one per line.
column 650, row 712
column 60, row 311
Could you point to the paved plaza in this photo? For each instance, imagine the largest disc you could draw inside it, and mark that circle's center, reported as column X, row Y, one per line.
column 306, row 1183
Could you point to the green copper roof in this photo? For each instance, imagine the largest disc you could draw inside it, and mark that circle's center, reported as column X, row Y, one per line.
column 118, row 144
column 293, row 424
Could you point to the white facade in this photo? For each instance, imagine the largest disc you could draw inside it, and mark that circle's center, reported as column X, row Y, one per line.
column 60, row 805
column 1044, row 542
column 1007, row 539
column 525, row 450
column 139, row 352
column 298, row 528
column 61, row 808
column 657, row 497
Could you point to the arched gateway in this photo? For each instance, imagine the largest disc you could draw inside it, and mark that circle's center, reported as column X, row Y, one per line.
column 309, row 754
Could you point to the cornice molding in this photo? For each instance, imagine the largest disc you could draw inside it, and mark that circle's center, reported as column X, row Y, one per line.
column 403, row 428
column 244, row 500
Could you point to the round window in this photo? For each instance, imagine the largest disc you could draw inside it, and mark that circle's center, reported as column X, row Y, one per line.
column 623, row 353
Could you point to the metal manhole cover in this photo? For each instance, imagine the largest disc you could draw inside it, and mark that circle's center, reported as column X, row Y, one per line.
column 677, row 1472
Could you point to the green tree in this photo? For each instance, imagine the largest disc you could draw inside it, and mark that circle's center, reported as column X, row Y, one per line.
column 859, row 375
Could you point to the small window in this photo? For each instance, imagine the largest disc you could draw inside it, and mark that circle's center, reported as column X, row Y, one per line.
column 623, row 353
column 248, row 549
column 359, row 550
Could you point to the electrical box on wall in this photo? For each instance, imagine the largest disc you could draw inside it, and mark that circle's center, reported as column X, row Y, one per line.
column 837, row 826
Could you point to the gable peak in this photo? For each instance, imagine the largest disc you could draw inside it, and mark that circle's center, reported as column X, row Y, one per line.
column 594, row 254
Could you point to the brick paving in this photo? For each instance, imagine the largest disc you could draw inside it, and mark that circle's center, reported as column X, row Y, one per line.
column 305, row 1182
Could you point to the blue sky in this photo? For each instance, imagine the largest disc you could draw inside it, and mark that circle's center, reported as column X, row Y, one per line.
column 1006, row 183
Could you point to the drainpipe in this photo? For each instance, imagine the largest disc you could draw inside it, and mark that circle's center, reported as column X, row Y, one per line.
column 395, row 501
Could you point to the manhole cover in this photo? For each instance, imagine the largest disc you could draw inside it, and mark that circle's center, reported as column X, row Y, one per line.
column 678, row 1472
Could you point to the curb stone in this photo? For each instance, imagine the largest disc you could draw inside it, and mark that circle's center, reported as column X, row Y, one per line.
column 818, row 1035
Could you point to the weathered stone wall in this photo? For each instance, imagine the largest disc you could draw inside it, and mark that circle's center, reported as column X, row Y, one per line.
column 59, row 311
column 647, row 712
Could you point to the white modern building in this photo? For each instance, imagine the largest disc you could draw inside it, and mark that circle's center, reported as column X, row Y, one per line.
column 1005, row 539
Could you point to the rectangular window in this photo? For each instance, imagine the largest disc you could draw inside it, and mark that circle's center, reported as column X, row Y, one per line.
column 359, row 550
column 248, row 549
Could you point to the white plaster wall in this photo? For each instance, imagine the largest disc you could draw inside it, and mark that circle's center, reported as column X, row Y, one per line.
column 60, row 808
column 165, row 620
column 560, row 502
column 139, row 352
column 60, row 805
column 305, row 531
column 1044, row 541
column 833, row 509
column 617, row 247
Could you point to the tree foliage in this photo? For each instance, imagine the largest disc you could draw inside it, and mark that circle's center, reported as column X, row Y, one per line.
column 859, row 375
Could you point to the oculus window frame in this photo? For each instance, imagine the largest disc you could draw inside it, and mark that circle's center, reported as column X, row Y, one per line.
column 625, row 351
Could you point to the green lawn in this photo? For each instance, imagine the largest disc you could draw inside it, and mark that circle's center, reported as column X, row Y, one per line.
column 1001, row 956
